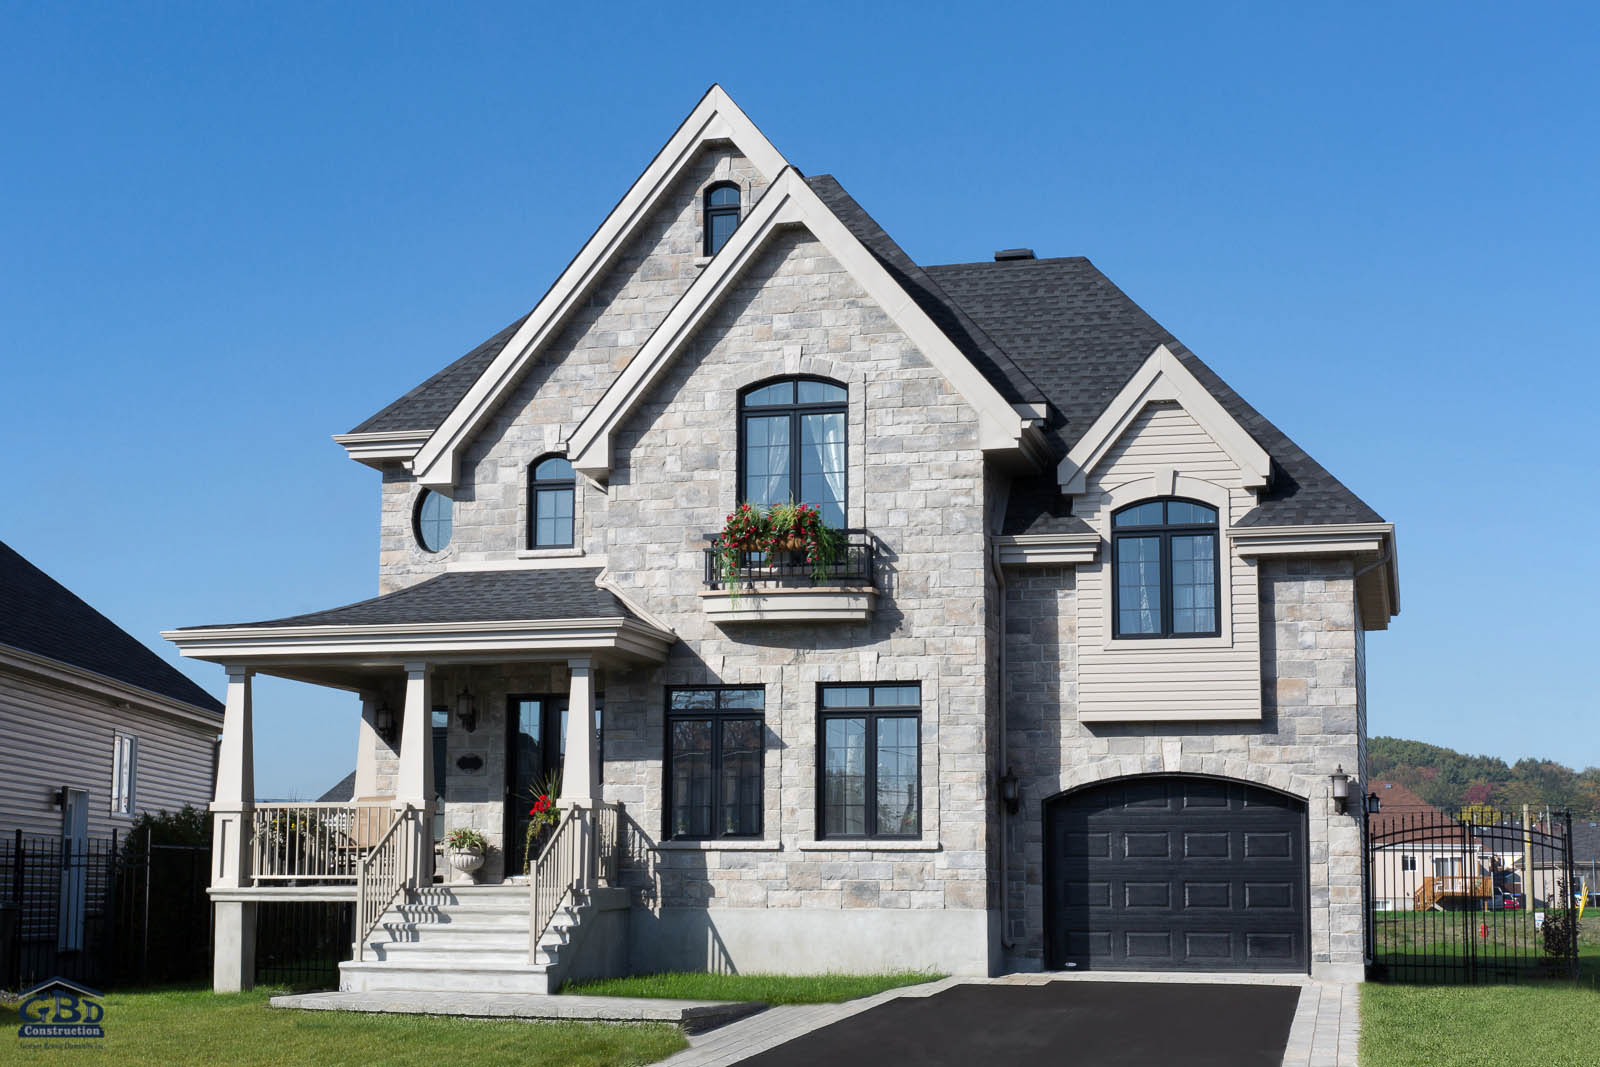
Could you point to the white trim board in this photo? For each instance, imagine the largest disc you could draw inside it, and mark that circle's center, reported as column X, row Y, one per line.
column 715, row 118
column 791, row 202
column 1163, row 378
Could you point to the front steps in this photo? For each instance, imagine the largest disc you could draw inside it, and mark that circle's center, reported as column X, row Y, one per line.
column 464, row 939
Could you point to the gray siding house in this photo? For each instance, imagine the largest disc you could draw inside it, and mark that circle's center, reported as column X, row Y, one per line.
column 95, row 729
column 1074, row 692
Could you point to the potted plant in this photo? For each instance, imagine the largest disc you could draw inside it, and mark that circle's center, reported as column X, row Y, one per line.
column 798, row 529
column 744, row 532
column 466, row 847
column 543, row 818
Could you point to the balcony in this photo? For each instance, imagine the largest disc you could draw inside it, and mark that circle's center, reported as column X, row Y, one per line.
column 783, row 588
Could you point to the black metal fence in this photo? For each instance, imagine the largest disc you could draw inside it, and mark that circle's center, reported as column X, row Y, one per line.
column 103, row 912
column 1460, row 902
column 300, row 943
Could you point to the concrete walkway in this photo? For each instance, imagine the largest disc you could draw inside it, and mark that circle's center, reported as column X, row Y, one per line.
column 1325, row 1031
column 692, row 1015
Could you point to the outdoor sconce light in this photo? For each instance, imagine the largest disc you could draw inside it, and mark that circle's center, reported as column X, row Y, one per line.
column 1010, row 793
column 384, row 721
column 1373, row 803
column 466, row 710
column 1341, row 789
column 59, row 798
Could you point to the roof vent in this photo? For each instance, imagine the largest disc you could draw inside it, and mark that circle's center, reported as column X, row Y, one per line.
column 1013, row 253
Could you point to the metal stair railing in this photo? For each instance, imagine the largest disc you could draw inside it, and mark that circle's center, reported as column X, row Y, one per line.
column 384, row 873
column 581, row 853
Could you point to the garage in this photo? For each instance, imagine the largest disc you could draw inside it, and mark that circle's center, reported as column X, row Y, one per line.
column 1172, row 872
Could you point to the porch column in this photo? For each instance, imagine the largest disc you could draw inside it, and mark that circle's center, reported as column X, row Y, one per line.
column 414, row 783
column 580, row 766
column 366, row 786
column 232, row 808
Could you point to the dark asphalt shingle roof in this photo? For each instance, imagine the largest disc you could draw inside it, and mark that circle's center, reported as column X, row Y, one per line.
column 1081, row 338
column 473, row 596
column 426, row 406
column 40, row 615
column 344, row 791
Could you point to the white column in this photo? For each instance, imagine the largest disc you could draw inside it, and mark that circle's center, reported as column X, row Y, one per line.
column 580, row 765
column 414, row 783
column 366, row 786
column 232, row 806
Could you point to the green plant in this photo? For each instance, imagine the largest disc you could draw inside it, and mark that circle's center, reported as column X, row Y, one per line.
column 787, row 527
column 542, row 816
column 466, row 839
column 1561, row 929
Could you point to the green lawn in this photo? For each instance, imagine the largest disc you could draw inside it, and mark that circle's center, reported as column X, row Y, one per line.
column 771, row 988
column 175, row 1028
column 1547, row 1023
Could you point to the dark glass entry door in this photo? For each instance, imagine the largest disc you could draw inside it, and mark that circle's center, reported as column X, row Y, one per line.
column 536, row 734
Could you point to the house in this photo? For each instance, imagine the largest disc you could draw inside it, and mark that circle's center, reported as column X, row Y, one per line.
column 98, row 729
column 1072, row 692
column 1424, row 858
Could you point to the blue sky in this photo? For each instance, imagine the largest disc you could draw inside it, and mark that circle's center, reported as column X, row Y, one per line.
column 228, row 231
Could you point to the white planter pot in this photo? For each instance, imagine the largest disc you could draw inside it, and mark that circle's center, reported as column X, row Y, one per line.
column 466, row 860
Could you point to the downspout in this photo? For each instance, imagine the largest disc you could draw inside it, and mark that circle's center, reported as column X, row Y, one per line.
column 1005, row 745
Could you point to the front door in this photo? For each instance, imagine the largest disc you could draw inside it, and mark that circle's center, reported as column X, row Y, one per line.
column 536, row 733
column 74, row 869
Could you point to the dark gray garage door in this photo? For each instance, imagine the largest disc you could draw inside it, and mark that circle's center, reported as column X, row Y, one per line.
column 1176, row 873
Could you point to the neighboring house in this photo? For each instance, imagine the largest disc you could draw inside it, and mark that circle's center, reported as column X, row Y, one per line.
column 96, row 727
column 1422, row 857
column 1072, row 697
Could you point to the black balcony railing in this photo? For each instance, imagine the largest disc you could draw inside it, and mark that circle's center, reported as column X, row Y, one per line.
column 853, row 567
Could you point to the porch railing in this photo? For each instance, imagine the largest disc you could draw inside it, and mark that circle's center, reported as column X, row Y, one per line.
column 582, row 853
column 314, row 842
column 381, row 875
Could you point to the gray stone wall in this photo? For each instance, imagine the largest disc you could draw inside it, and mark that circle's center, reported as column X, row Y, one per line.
column 1309, row 726
column 490, row 509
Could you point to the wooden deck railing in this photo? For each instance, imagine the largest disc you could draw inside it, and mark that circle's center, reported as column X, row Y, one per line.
column 582, row 853
column 1435, row 889
column 382, row 873
column 314, row 842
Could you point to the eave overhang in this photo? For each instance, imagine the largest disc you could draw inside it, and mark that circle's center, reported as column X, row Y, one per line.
column 1370, row 544
column 117, row 693
column 379, row 448
column 1047, row 550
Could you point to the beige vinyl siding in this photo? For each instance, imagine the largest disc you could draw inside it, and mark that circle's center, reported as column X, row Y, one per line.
column 53, row 735
column 1183, row 678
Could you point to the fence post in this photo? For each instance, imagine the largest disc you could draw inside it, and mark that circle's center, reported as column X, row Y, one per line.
column 1569, row 906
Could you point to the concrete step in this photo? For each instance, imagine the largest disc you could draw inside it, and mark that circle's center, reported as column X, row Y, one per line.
column 478, row 978
column 427, row 913
column 451, row 957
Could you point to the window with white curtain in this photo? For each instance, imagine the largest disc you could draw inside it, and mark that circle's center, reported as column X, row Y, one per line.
column 793, row 445
column 124, row 767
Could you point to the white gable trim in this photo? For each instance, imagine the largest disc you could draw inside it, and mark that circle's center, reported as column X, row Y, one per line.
column 1164, row 378
column 715, row 118
column 791, row 202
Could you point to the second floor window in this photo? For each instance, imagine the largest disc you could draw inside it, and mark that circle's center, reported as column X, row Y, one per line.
column 792, row 446
column 715, row 742
column 1164, row 563
column 433, row 521
column 722, row 215
column 551, row 489
column 124, row 765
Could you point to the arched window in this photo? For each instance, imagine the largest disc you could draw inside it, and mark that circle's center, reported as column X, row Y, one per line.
column 722, row 215
column 1165, row 581
column 551, row 489
column 792, row 445
column 433, row 520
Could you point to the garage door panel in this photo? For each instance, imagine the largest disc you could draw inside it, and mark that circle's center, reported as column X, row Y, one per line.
column 1177, row 873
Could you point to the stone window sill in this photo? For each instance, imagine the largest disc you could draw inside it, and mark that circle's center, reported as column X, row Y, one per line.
column 868, row 844
column 548, row 553
column 725, row 845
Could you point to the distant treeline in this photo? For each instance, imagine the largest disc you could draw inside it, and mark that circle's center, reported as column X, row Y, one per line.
column 1482, row 785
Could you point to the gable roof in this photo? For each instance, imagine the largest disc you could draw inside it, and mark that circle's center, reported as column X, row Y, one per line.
column 1081, row 338
column 342, row 791
column 40, row 615
column 426, row 406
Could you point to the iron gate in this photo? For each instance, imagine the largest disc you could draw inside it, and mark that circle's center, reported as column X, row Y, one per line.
column 1454, row 901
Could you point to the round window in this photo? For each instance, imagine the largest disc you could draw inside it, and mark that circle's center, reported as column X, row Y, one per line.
column 433, row 520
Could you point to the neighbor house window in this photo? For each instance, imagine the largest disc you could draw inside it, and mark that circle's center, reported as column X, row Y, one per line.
column 1165, row 581
column 715, row 740
column 551, row 489
column 722, row 215
column 792, row 445
column 124, row 769
column 433, row 520
column 871, row 762
column 1408, row 863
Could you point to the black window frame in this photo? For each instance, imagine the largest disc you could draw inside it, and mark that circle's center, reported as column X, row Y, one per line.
column 534, row 486
column 717, row 715
column 795, row 411
column 872, row 713
column 1166, row 531
column 416, row 520
column 708, row 212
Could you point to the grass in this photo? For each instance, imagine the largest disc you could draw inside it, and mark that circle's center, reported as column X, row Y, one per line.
column 772, row 988
column 177, row 1028
column 1549, row 1023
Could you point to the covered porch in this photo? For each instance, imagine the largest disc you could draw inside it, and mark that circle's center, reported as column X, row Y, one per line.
column 451, row 659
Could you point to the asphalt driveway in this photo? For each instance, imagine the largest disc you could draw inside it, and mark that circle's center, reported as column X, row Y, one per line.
column 1095, row 1024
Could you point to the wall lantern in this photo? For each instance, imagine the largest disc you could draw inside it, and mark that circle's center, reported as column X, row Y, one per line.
column 383, row 720
column 1010, row 793
column 466, row 710
column 1373, row 803
column 1341, row 789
